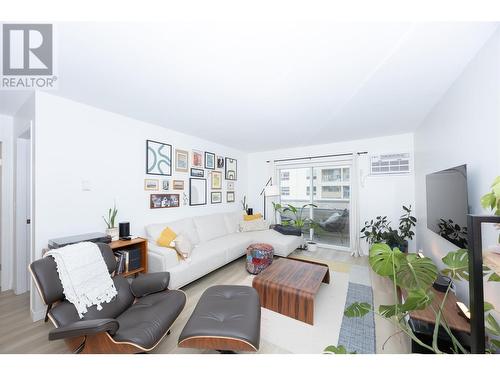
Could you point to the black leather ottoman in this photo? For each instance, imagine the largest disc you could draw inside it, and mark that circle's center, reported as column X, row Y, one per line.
column 226, row 318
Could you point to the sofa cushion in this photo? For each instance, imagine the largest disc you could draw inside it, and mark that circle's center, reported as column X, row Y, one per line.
column 232, row 220
column 153, row 231
column 283, row 245
column 234, row 245
column 145, row 323
column 210, row 226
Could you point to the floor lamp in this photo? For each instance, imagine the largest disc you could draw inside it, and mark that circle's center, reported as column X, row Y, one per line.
column 270, row 191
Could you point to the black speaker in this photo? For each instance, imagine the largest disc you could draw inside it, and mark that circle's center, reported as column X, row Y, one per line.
column 124, row 230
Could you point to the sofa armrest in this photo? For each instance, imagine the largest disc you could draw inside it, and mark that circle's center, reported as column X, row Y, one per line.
column 149, row 283
column 166, row 257
column 84, row 327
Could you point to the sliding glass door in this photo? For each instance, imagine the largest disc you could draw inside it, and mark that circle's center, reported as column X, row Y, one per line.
column 328, row 187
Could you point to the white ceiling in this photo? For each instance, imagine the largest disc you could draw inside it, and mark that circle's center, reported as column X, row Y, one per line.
column 264, row 84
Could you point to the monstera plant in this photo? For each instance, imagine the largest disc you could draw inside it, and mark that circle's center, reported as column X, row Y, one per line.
column 414, row 275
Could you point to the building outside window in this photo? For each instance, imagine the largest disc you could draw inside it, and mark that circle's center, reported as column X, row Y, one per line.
column 285, row 190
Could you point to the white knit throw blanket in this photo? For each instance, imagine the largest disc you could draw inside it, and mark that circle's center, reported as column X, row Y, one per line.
column 84, row 275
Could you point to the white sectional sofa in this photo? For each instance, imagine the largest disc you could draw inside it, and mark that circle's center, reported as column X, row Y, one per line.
column 217, row 241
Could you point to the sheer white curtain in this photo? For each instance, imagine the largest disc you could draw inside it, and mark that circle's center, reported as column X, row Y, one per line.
column 355, row 179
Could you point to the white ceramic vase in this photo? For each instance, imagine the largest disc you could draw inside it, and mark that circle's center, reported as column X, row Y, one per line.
column 312, row 246
column 113, row 232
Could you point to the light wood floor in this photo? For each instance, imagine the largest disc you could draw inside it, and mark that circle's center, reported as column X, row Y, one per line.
column 18, row 334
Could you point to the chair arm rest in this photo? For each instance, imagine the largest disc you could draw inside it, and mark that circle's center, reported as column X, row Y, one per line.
column 84, row 327
column 149, row 283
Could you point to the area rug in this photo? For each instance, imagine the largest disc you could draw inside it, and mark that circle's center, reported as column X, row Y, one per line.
column 288, row 335
column 358, row 334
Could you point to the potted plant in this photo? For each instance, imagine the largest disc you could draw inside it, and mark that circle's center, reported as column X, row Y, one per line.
column 379, row 230
column 111, row 229
column 244, row 204
column 312, row 246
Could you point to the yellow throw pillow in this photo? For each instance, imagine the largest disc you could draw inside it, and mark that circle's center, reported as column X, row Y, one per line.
column 252, row 217
column 166, row 237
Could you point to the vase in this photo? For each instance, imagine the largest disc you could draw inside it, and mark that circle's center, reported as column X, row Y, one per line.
column 113, row 232
column 312, row 246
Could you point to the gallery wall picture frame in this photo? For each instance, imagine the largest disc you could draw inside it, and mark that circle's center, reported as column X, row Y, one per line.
column 231, row 169
column 151, row 184
column 178, row 184
column 197, row 172
column 209, row 160
column 181, row 160
column 164, row 201
column 216, row 180
column 158, row 158
column 197, row 191
column 165, row 185
column 230, row 185
column 220, row 162
column 230, row 197
column 216, row 197
column 197, row 159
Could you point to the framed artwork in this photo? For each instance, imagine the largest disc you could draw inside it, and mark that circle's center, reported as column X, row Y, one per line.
column 230, row 185
column 197, row 160
column 209, row 160
column 231, row 169
column 165, row 185
column 164, row 200
column 220, row 162
column 178, row 184
column 181, row 161
column 216, row 197
column 197, row 191
column 151, row 184
column 230, row 196
column 158, row 158
column 216, row 179
column 197, row 172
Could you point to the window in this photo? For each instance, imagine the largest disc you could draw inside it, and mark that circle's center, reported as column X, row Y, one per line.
column 331, row 192
column 331, row 175
column 308, row 190
column 285, row 176
column 285, row 190
column 346, row 192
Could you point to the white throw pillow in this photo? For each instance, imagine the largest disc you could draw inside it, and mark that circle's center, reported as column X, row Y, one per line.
column 253, row 225
column 183, row 245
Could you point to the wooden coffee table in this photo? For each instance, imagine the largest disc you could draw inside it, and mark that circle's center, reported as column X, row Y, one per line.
column 289, row 287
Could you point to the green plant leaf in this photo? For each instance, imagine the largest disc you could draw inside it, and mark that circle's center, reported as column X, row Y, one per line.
column 383, row 260
column 357, row 310
column 417, row 299
column 488, row 201
column 496, row 343
column 458, row 265
column 388, row 311
column 492, row 325
column 332, row 349
column 488, row 307
column 415, row 272
column 494, row 277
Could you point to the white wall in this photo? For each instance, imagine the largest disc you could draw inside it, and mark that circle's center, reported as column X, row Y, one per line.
column 382, row 195
column 7, row 210
column 463, row 128
column 76, row 142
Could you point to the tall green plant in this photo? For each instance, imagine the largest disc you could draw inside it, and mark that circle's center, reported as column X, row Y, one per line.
column 297, row 218
column 491, row 200
column 414, row 276
column 110, row 220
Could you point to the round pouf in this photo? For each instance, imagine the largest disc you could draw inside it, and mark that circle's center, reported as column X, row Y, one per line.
column 259, row 257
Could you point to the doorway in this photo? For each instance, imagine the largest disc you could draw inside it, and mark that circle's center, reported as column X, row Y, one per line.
column 325, row 191
column 22, row 212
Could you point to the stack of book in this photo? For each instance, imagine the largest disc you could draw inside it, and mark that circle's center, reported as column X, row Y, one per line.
column 128, row 260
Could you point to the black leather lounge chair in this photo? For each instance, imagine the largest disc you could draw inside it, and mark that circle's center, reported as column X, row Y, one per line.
column 135, row 321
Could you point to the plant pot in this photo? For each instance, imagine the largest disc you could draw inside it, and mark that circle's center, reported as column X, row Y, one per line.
column 312, row 246
column 113, row 232
column 249, row 211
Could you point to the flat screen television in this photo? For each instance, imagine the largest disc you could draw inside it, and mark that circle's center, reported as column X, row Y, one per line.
column 447, row 204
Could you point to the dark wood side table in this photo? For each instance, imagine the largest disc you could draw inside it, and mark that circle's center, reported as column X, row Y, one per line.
column 139, row 242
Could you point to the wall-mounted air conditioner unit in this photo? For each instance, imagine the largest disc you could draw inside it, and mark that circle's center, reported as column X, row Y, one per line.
column 390, row 164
